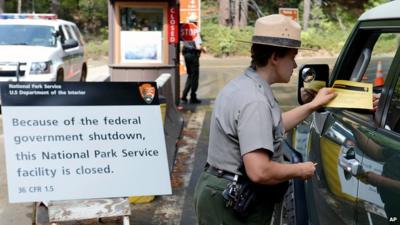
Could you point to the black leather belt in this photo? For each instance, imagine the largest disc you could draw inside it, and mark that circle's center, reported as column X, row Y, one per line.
column 219, row 173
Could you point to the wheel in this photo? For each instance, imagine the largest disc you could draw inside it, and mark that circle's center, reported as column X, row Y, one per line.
column 83, row 74
column 284, row 212
column 60, row 76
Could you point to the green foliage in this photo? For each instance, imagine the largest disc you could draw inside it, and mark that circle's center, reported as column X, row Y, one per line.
column 385, row 44
column 373, row 3
column 97, row 49
column 331, row 39
column 328, row 33
column 90, row 15
column 209, row 11
column 223, row 41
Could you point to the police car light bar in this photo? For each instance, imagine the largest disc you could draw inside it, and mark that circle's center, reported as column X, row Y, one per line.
column 28, row 16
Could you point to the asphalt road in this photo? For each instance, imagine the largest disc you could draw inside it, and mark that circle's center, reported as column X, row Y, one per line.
column 177, row 208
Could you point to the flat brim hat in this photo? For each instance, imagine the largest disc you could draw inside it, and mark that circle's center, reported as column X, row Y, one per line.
column 277, row 30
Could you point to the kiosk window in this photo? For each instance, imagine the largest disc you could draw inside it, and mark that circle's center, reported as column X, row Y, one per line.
column 142, row 35
column 137, row 19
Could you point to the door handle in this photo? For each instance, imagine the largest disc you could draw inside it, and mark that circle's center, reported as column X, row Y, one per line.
column 350, row 165
column 348, row 161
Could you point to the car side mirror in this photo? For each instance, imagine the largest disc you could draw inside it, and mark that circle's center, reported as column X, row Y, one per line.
column 312, row 77
column 70, row 43
column 56, row 34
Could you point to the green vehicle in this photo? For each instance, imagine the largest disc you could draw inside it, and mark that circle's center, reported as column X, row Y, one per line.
column 357, row 179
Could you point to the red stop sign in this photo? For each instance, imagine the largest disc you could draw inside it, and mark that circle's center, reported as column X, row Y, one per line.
column 189, row 31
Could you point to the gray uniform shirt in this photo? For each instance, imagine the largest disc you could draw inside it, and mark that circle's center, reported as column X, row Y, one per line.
column 246, row 117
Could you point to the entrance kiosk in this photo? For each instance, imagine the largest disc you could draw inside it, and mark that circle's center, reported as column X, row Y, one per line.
column 144, row 46
column 144, row 40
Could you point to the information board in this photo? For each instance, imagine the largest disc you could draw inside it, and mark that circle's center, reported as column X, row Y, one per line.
column 83, row 140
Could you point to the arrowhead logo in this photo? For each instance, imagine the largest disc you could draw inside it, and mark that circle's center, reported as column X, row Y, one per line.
column 147, row 91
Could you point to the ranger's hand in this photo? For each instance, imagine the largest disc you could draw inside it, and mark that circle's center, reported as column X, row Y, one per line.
column 306, row 170
column 323, row 96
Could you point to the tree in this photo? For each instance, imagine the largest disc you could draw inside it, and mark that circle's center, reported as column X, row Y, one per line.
column 241, row 13
column 244, row 13
column 306, row 13
column 224, row 13
column 1, row 6
column 19, row 6
column 236, row 15
column 55, row 6
column 233, row 13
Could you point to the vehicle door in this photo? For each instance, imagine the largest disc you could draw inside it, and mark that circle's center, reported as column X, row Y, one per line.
column 380, row 166
column 78, row 58
column 339, row 138
column 73, row 56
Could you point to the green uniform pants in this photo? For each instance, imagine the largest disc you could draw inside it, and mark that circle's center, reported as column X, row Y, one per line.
column 210, row 205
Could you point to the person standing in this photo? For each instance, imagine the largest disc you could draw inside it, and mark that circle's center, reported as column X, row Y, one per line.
column 244, row 176
column 191, row 52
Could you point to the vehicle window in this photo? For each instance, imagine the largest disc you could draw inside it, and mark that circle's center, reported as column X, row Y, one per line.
column 77, row 34
column 69, row 32
column 393, row 116
column 382, row 54
column 27, row 35
column 72, row 32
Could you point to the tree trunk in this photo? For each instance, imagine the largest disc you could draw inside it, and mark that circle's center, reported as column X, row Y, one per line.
column 1, row 6
column 236, row 15
column 306, row 13
column 19, row 6
column 224, row 13
column 243, row 13
column 55, row 7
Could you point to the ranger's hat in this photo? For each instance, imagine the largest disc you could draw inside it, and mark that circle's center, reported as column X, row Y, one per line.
column 277, row 30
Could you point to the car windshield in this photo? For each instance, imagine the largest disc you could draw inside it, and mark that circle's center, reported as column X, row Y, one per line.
column 35, row 35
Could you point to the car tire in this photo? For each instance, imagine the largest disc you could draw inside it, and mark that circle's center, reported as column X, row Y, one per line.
column 284, row 212
column 83, row 74
column 60, row 76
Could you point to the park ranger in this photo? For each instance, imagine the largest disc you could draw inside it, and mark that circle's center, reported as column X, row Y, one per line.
column 244, row 176
column 191, row 51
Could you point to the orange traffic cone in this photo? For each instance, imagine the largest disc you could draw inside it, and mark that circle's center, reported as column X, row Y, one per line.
column 182, row 69
column 379, row 80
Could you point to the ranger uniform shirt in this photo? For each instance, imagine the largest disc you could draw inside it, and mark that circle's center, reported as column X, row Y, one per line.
column 246, row 117
column 191, row 46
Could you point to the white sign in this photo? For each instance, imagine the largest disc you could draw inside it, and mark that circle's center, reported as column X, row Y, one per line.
column 92, row 145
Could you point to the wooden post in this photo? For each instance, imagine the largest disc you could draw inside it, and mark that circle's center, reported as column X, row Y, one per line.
column 72, row 210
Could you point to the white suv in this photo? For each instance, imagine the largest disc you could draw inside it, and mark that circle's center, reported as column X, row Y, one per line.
column 40, row 47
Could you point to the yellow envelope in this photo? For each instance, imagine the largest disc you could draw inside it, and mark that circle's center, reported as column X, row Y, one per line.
column 351, row 94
